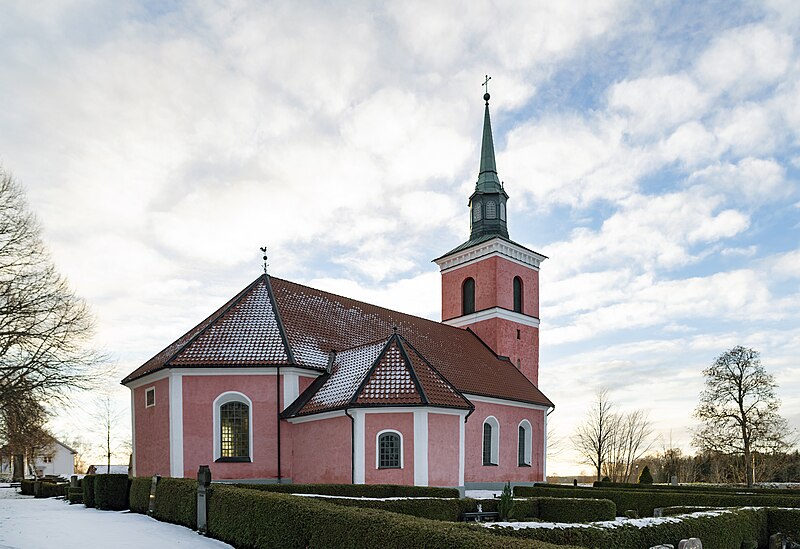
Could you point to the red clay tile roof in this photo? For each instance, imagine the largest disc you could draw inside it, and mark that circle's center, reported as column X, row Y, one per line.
column 246, row 332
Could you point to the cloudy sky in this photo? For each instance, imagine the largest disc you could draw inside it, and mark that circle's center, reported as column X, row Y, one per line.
column 650, row 150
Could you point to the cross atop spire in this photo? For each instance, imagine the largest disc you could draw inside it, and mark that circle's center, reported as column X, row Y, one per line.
column 486, row 85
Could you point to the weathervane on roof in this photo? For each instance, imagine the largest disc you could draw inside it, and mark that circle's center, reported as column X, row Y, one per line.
column 264, row 251
column 486, row 85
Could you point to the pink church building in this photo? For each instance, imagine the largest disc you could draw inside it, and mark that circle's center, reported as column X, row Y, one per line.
column 287, row 383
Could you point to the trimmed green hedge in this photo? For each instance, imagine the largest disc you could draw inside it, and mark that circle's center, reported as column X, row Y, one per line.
column 75, row 495
column 52, row 490
column 111, row 492
column 644, row 501
column 447, row 509
column 785, row 521
column 88, row 490
column 280, row 520
column 357, row 490
column 576, row 510
column 139, row 498
column 176, row 502
column 727, row 530
column 713, row 488
column 26, row 487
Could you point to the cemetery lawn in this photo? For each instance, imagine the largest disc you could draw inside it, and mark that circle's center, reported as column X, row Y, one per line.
column 28, row 523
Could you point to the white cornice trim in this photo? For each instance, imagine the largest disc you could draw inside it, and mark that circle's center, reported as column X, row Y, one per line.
column 504, row 402
column 222, row 371
column 149, row 378
column 488, row 314
column 490, row 248
column 316, row 417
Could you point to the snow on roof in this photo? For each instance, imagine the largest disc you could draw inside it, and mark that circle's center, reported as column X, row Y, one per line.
column 278, row 322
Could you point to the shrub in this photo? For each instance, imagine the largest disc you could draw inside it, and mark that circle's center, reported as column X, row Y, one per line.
column 26, row 487
column 280, row 520
column 75, row 495
column 724, row 530
column 576, row 510
column 785, row 521
column 357, row 490
column 176, row 502
column 506, row 505
column 446, row 509
column 644, row 501
column 139, row 497
column 111, row 492
column 52, row 490
column 645, row 477
column 88, row 490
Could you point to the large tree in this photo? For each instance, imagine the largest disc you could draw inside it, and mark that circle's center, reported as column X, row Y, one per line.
column 44, row 327
column 738, row 410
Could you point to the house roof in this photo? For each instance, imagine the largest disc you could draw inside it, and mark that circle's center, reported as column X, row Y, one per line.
column 278, row 322
column 382, row 373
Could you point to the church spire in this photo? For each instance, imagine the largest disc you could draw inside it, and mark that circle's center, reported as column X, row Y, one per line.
column 488, row 203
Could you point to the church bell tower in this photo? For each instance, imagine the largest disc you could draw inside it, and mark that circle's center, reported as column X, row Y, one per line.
column 490, row 284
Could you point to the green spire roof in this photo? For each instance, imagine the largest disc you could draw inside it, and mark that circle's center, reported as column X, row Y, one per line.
column 487, row 176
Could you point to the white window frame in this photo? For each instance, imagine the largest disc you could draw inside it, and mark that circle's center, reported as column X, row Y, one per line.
column 225, row 398
column 378, row 448
column 146, row 392
column 528, row 451
column 495, row 450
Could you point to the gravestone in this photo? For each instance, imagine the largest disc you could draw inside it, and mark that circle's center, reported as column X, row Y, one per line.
column 691, row 543
column 663, row 546
column 674, row 480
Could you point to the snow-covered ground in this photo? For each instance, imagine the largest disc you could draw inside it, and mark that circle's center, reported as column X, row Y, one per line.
column 28, row 523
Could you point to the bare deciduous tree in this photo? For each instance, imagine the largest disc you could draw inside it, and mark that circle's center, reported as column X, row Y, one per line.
column 594, row 436
column 738, row 410
column 44, row 327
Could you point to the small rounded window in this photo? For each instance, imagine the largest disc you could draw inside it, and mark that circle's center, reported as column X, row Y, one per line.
column 502, row 211
column 491, row 210
column 476, row 211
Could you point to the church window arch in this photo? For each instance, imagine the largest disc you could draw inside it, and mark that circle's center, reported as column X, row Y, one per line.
column 468, row 296
column 502, row 211
column 518, row 294
column 524, row 443
column 477, row 213
column 389, row 449
column 491, row 441
column 491, row 210
column 233, row 427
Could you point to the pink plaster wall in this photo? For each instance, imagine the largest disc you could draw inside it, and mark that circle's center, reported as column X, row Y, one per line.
column 304, row 382
column 199, row 393
column 374, row 423
column 322, row 451
column 443, row 449
column 507, row 468
column 152, row 430
column 494, row 286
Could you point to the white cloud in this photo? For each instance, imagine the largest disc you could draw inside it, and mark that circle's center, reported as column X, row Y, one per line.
column 750, row 181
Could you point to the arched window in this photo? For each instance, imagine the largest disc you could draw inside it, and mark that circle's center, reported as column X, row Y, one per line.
column 524, row 444
column 502, row 211
column 491, row 210
column 233, row 422
column 390, row 450
column 517, row 294
column 491, row 441
column 476, row 211
column 468, row 297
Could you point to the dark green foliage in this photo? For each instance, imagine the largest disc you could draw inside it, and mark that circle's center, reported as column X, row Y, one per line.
column 75, row 495
column 52, row 490
column 645, row 477
column 506, row 505
column 88, row 490
column 644, row 501
column 606, row 479
column 724, row 531
column 704, row 488
column 357, row 490
column 26, row 487
column 111, row 492
column 447, row 509
column 139, row 498
column 785, row 521
column 284, row 521
column 176, row 502
column 576, row 510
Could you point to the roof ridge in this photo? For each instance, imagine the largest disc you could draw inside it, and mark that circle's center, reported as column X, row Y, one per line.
column 411, row 370
column 279, row 320
column 438, row 373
